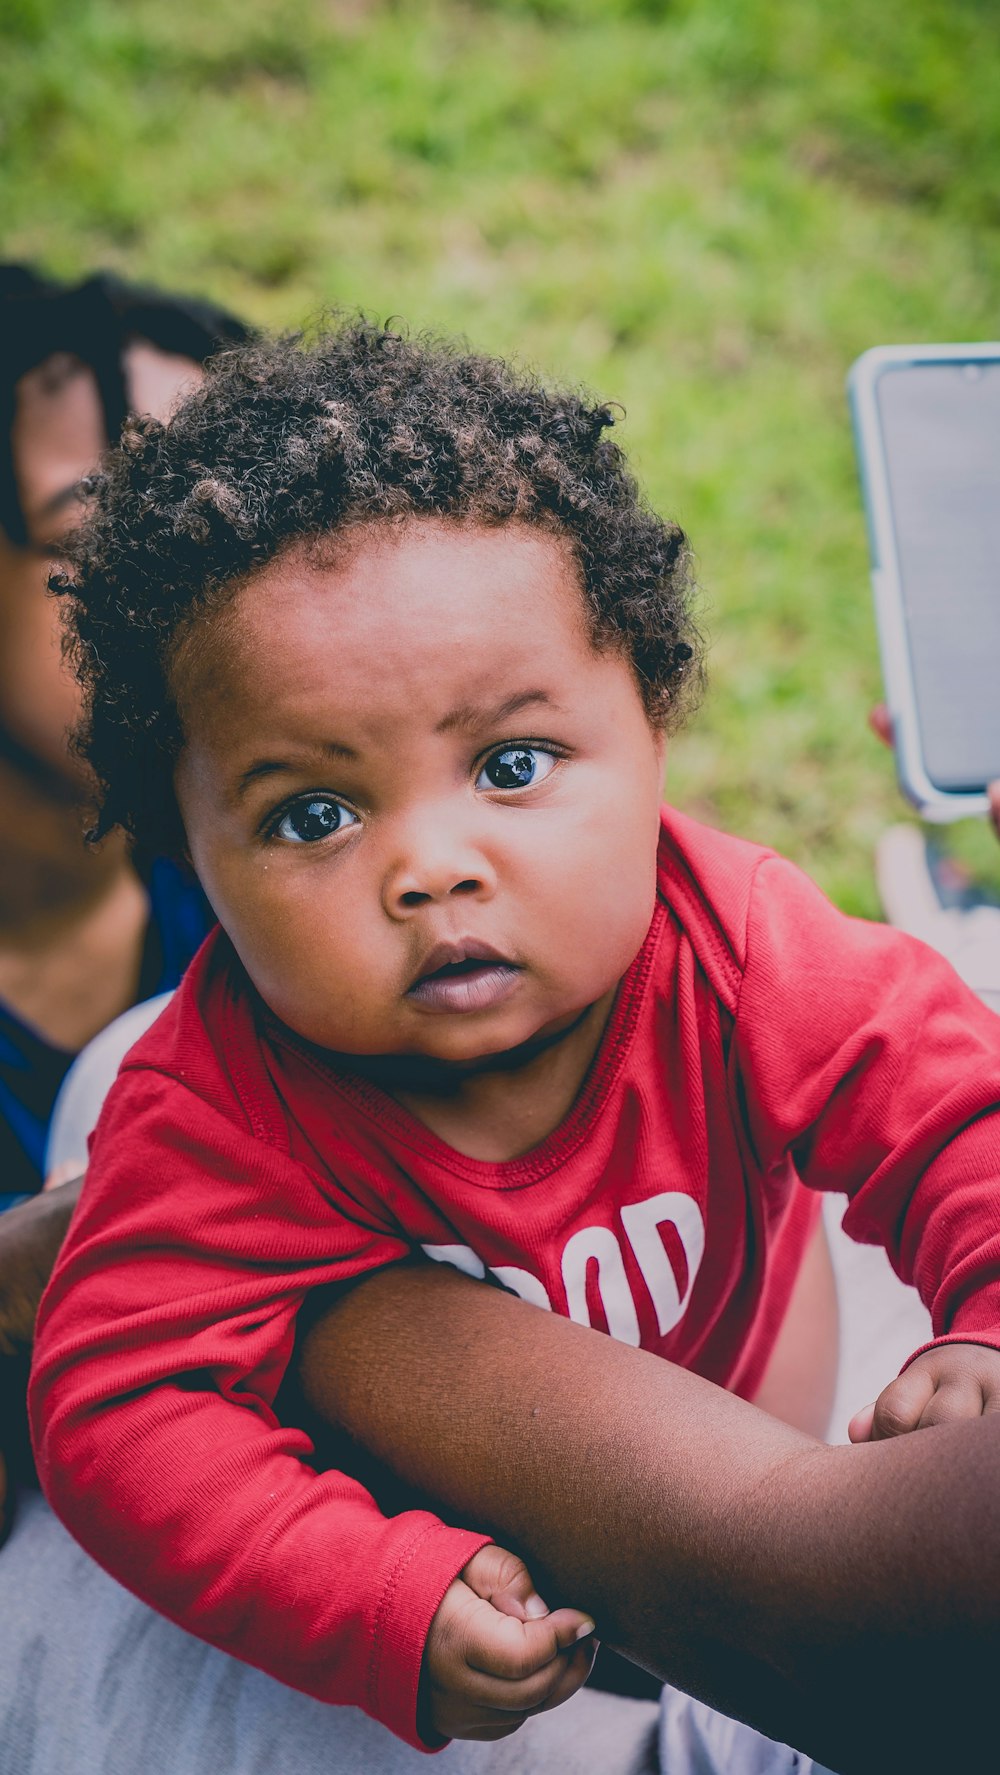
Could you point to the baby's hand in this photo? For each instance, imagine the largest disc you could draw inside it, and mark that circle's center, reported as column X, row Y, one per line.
column 952, row 1381
column 495, row 1654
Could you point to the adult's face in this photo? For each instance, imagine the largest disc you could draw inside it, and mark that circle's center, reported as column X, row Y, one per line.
column 58, row 435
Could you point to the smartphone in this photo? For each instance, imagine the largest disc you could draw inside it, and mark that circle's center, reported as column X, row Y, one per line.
column 927, row 431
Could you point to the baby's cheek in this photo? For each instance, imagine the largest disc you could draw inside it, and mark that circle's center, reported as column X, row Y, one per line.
column 598, row 934
column 322, row 980
column 615, row 889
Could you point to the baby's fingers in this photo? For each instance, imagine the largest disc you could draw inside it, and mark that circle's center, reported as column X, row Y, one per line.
column 504, row 1580
column 921, row 1398
column 485, row 1672
column 500, row 1646
column 576, row 1666
column 537, row 1693
column 900, row 1407
column 955, row 1396
column 860, row 1427
column 536, row 1689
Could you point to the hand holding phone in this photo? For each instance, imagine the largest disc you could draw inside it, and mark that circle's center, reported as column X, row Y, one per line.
column 927, row 428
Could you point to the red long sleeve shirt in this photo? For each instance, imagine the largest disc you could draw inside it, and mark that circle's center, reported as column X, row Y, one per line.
column 759, row 1038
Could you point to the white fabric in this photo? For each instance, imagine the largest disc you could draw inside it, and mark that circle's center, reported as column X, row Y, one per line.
column 88, row 1080
column 695, row 1740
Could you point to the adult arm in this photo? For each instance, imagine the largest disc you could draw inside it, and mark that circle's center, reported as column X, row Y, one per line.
column 30, row 1237
column 844, row 1600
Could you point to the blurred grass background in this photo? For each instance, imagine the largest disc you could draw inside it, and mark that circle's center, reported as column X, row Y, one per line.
column 701, row 208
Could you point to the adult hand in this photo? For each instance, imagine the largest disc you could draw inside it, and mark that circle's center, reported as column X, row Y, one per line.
column 30, row 1237
column 881, row 725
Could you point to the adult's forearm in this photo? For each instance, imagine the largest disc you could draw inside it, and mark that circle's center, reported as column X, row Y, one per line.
column 30, row 1237
column 804, row 1588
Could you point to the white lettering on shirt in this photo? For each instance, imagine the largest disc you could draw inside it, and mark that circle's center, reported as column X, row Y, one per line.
column 600, row 1243
column 600, row 1246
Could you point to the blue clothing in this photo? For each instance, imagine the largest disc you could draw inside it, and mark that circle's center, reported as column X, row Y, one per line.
column 32, row 1069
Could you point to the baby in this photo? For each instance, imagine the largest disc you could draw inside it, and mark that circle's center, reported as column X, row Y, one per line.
column 382, row 637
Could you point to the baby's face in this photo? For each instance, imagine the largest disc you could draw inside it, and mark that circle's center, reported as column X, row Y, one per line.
column 424, row 808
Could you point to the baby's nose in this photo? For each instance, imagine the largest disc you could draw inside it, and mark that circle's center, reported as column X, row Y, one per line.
column 434, row 872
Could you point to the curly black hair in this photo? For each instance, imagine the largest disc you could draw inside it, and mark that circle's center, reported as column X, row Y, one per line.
column 292, row 439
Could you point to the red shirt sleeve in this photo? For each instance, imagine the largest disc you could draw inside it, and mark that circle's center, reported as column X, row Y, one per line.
column 860, row 1053
column 162, row 1339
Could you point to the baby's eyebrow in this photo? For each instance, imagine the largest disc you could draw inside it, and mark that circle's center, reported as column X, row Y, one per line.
column 272, row 767
column 473, row 718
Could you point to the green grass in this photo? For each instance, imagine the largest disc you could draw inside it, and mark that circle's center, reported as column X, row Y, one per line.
column 701, row 208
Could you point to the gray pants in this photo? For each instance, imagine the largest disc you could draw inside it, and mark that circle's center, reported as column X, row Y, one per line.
column 94, row 1683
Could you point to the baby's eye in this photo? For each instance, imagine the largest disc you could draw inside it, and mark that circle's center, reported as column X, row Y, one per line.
column 313, row 818
column 515, row 767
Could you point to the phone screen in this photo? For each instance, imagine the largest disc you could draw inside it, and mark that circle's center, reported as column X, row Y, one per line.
column 941, row 431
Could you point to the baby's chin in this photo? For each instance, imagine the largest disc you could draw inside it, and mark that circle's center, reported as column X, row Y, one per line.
column 433, row 1070
column 455, row 1047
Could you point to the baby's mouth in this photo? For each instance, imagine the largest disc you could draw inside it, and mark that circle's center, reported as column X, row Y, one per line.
column 463, row 977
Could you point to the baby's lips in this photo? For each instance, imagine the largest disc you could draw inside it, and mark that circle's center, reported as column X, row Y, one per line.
column 452, row 953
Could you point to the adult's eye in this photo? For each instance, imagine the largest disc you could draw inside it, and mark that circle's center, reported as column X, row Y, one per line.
column 515, row 767
column 313, row 818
